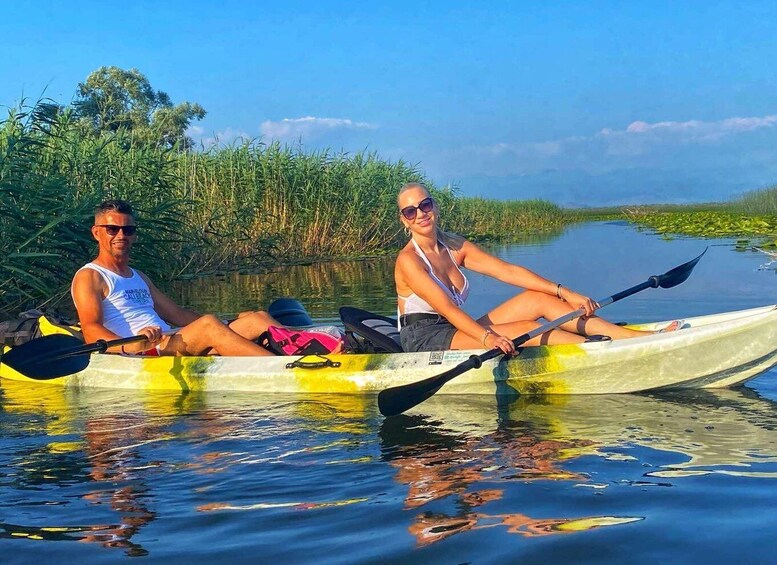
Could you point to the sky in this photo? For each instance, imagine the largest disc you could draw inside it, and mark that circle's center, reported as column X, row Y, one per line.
column 581, row 103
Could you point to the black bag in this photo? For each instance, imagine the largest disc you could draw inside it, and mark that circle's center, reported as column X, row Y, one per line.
column 27, row 326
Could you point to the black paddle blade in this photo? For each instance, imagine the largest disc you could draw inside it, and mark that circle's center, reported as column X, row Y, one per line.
column 47, row 357
column 395, row 400
column 679, row 274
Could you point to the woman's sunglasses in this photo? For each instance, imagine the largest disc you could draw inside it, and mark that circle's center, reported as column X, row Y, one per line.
column 112, row 230
column 426, row 205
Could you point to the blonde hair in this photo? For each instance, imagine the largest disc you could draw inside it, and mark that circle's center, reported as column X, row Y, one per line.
column 449, row 239
column 407, row 186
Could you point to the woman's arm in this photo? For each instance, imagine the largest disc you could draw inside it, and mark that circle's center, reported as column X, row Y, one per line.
column 475, row 259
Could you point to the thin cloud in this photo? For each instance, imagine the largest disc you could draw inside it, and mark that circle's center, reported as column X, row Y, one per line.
column 290, row 129
column 691, row 131
column 639, row 144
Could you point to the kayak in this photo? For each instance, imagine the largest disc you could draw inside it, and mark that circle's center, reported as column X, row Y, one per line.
column 718, row 350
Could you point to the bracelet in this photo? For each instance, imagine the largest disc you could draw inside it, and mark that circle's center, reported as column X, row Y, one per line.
column 485, row 336
column 558, row 290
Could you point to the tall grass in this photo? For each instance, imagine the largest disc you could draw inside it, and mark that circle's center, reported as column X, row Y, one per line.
column 39, row 218
column 277, row 201
column 260, row 202
column 481, row 218
column 758, row 202
column 51, row 178
column 242, row 207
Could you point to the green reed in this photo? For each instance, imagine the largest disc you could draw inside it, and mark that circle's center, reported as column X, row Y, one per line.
column 38, row 220
column 244, row 207
column 758, row 202
column 51, row 177
column 273, row 201
column 485, row 219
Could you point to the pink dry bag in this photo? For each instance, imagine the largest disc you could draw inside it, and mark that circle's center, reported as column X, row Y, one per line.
column 313, row 341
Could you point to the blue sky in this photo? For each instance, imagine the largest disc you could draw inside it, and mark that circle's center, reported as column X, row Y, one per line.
column 581, row 103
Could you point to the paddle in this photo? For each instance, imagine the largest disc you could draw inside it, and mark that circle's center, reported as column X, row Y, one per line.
column 396, row 400
column 57, row 355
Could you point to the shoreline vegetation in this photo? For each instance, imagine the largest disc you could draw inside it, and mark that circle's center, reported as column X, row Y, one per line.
column 244, row 207
column 250, row 206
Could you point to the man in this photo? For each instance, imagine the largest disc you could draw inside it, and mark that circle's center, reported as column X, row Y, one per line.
column 115, row 301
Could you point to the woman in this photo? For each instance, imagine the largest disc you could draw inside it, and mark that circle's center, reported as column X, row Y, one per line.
column 431, row 289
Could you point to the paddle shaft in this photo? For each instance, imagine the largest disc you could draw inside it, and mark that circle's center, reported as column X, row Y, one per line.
column 101, row 346
column 546, row 327
column 57, row 355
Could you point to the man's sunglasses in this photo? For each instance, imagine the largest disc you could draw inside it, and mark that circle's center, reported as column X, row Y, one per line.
column 426, row 205
column 111, row 229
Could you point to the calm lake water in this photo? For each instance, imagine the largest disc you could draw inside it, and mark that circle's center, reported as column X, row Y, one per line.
column 104, row 475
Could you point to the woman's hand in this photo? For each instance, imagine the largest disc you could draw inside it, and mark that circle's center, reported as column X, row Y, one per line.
column 578, row 301
column 496, row 341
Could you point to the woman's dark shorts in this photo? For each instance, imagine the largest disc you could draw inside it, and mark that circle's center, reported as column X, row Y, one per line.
column 427, row 335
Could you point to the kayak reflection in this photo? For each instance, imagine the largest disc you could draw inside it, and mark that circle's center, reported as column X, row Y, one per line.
column 113, row 457
column 106, row 467
column 460, row 450
column 711, row 428
column 92, row 453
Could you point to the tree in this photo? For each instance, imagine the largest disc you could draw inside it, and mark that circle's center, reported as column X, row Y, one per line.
column 113, row 99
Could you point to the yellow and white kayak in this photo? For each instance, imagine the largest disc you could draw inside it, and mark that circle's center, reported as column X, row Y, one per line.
column 712, row 351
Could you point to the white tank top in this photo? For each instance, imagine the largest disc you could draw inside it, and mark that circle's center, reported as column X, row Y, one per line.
column 128, row 307
column 414, row 304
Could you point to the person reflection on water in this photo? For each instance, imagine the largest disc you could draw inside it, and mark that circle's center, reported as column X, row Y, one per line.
column 431, row 290
column 115, row 301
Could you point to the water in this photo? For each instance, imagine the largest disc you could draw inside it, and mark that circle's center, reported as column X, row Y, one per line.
column 104, row 475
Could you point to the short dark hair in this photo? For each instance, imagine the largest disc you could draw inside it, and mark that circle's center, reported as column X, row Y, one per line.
column 114, row 205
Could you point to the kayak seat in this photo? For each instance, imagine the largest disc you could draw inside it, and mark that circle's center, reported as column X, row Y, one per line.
column 290, row 313
column 370, row 333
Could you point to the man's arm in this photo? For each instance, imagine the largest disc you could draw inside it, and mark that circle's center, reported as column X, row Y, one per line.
column 168, row 310
column 89, row 291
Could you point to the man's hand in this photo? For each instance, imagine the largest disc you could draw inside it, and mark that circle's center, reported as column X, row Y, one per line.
column 153, row 335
